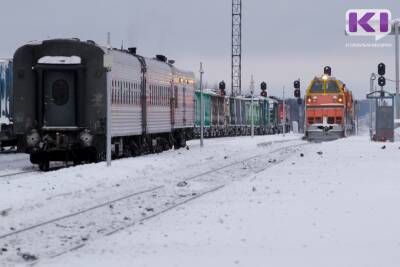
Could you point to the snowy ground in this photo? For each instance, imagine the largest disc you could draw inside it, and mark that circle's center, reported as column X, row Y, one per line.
column 270, row 201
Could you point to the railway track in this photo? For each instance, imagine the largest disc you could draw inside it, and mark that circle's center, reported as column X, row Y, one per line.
column 62, row 234
column 17, row 173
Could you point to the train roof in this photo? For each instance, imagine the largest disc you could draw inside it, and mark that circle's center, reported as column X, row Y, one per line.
column 158, row 60
column 340, row 84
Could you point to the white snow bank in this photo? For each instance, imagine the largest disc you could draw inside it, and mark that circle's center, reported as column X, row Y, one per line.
column 60, row 60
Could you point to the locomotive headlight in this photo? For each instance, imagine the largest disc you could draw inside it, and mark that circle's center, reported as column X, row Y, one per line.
column 324, row 77
column 309, row 99
column 33, row 138
column 86, row 138
column 340, row 100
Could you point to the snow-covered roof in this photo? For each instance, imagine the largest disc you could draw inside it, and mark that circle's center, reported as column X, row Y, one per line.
column 60, row 60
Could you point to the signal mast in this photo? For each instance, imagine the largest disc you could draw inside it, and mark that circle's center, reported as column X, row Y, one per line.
column 236, row 47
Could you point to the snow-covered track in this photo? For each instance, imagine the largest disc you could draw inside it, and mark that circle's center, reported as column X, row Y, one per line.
column 78, row 213
column 3, row 176
column 55, row 236
column 114, row 231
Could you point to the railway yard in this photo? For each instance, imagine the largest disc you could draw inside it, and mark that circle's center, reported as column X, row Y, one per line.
column 196, row 207
column 155, row 134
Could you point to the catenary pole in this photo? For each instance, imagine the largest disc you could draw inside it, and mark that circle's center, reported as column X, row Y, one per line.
column 284, row 113
column 201, row 107
column 108, row 149
column 252, row 108
column 396, row 37
column 371, row 89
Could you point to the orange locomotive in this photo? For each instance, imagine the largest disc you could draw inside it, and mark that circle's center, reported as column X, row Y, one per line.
column 329, row 109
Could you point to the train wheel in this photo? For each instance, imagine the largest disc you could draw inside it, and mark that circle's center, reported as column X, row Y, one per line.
column 165, row 144
column 44, row 165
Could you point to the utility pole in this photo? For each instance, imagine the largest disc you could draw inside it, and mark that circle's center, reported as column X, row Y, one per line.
column 201, row 107
column 371, row 89
column 108, row 66
column 252, row 108
column 236, row 48
column 284, row 113
column 357, row 111
column 396, row 38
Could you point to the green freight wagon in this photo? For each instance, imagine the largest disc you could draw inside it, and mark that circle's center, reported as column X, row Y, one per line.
column 207, row 109
column 255, row 114
column 216, row 114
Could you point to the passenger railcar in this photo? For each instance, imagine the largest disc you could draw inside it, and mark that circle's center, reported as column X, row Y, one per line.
column 329, row 109
column 60, row 89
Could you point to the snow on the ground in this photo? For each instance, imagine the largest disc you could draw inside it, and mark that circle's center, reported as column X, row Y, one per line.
column 32, row 198
column 11, row 162
column 330, row 204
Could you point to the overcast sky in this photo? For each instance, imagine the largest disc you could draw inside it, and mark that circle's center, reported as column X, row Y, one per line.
column 282, row 40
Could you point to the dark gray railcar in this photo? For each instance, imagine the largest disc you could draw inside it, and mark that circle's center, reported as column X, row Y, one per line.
column 59, row 102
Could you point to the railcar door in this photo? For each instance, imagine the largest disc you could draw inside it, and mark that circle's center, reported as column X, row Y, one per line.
column 59, row 99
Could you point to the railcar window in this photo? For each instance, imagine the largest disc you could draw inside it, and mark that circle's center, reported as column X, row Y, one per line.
column 331, row 120
column 135, row 96
column 151, row 94
column 158, row 95
column 166, row 96
column 317, row 86
column 331, row 87
column 176, row 96
column 184, row 97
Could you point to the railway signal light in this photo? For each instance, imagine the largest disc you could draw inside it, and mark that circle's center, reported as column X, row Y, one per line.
column 381, row 69
column 328, row 71
column 296, row 84
column 263, row 86
column 382, row 81
column 264, row 93
column 297, row 93
column 222, row 87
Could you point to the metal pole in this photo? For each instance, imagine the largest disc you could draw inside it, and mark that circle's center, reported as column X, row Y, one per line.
column 396, row 36
column 201, row 107
column 252, row 111
column 371, row 89
column 284, row 113
column 357, row 108
column 109, row 83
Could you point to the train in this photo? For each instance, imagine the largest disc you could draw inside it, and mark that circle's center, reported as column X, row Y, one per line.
column 6, row 134
column 234, row 115
column 329, row 109
column 59, row 103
